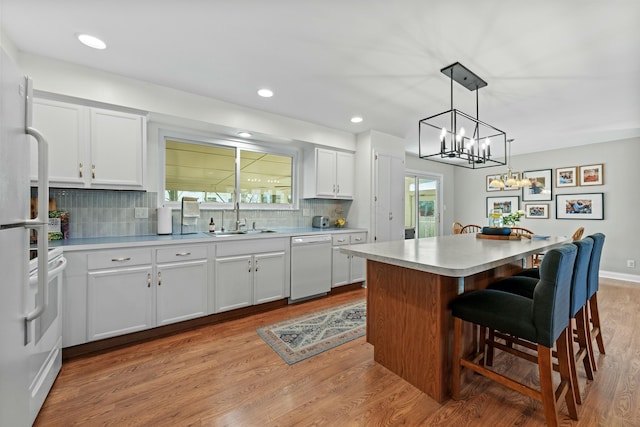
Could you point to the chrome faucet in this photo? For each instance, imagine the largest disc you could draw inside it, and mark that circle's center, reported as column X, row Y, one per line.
column 238, row 223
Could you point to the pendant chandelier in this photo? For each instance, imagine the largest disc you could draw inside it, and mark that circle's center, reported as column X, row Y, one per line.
column 459, row 139
column 510, row 180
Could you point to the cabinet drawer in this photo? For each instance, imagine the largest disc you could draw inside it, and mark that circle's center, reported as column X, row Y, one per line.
column 340, row 239
column 118, row 258
column 357, row 238
column 243, row 246
column 181, row 253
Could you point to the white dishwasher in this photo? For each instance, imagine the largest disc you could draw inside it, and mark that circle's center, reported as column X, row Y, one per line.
column 310, row 266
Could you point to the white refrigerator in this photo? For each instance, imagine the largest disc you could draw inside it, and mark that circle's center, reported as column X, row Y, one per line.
column 19, row 309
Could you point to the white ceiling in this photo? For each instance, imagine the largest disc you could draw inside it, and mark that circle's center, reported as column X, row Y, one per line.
column 560, row 73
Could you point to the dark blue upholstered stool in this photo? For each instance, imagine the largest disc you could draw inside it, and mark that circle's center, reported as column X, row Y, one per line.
column 592, row 295
column 525, row 285
column 543, row 320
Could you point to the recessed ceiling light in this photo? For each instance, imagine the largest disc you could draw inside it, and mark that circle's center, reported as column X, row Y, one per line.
column 92, row 41
column 265, row 93
column 356, row 119
column 244, row 134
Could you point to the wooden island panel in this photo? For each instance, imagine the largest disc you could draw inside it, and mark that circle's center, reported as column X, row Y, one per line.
column 409, row 322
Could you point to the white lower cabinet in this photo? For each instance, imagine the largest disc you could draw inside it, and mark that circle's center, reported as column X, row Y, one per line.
column 120, row 301
column 233, row 282
column 243, row 279
column 181, row 285
column 127, row 292
column 347, row 269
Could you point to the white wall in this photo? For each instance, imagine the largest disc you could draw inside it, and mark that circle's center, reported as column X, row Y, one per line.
column 621, row 199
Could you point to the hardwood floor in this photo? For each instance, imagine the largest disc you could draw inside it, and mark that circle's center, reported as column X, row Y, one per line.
column 225, row 375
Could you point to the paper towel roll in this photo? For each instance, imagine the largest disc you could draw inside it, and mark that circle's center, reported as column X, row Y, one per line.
column 164, row 220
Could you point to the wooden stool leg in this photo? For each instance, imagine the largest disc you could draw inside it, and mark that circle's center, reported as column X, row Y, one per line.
column 582, row 328
column 457, row 354
column 563, row 353
column 545, row 370
column 488, row 359
column 589, row 337
column 595, row 319
column 573, row 371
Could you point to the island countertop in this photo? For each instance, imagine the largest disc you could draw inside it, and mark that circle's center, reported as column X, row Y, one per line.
column 457, row 255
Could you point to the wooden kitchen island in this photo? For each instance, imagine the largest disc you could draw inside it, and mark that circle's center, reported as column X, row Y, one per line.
column 410, row 284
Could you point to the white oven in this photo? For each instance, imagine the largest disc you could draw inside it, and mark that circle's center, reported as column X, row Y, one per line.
column 45, row 332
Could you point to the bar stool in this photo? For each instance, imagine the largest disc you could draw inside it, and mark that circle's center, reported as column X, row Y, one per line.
column 542, row 320
column 524, row 286
column 594, row 284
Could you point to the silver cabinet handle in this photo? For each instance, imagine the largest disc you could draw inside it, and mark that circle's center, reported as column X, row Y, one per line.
column 338, row 188
column 121, row 259
column 341, row 240
column 93, row 171
column 183, row 254
column 159, row 278
column 148, row 280
column 249, row 266
column 358, row 239
column 80, row 171
column 256, row 269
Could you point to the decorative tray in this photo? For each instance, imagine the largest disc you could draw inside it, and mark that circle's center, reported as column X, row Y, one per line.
column 497, row 237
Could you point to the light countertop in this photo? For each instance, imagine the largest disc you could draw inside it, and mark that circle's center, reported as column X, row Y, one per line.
column 458, row 255
column 200, row 237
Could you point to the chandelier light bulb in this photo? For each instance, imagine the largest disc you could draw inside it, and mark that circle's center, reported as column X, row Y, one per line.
column 462, row 132
column 443, row 133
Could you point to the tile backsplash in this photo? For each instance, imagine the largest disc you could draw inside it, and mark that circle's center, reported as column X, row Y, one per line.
column 105, row 213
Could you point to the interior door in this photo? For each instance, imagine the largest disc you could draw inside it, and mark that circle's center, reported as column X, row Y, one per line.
column 389, row 198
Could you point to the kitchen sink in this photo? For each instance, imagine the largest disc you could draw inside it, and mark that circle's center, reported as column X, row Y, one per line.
column 239, row 232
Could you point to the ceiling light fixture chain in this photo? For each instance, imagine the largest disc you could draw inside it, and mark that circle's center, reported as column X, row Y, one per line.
column 484, row 146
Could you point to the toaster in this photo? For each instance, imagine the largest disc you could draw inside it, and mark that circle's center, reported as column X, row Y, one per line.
column 320, row 222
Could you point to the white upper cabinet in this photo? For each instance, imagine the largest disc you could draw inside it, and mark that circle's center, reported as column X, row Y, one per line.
column 328, row 174
column 91, row 147
column 63, row 126
column 117, row 149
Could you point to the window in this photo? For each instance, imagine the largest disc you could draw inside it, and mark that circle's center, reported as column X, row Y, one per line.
column 208, row 172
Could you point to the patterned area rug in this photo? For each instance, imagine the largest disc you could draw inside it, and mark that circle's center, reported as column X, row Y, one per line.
column 305, row 336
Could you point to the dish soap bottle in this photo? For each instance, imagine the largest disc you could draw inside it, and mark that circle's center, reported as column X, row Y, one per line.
column 212, row 226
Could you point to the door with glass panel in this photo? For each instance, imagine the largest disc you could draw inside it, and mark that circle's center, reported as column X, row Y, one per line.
column 422, row 206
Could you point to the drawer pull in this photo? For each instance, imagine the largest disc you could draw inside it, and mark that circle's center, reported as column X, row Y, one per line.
column 341, row 240
column 358, row 239
column 121, row 259
column 159, row 279
column 148, row 280
column 183, row 254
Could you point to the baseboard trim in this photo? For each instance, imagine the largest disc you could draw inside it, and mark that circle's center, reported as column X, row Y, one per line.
column 620, row 276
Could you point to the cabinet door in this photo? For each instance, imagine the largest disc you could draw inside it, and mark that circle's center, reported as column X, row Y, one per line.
column 117, row 149
column 233, row 284
column 340, row 268
column 269, row 277
column 358, row 269
column 345, row 175
column 63, row 126
column 181, row 291
column 119, row 302
column 325, row 172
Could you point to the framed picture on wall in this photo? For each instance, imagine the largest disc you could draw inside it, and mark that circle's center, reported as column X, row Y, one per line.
column 592, row 174
column 580, row 206
column 491, row 178
column 506, row 204
column 567, row 177
column 536, row 210
column 540, row 187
